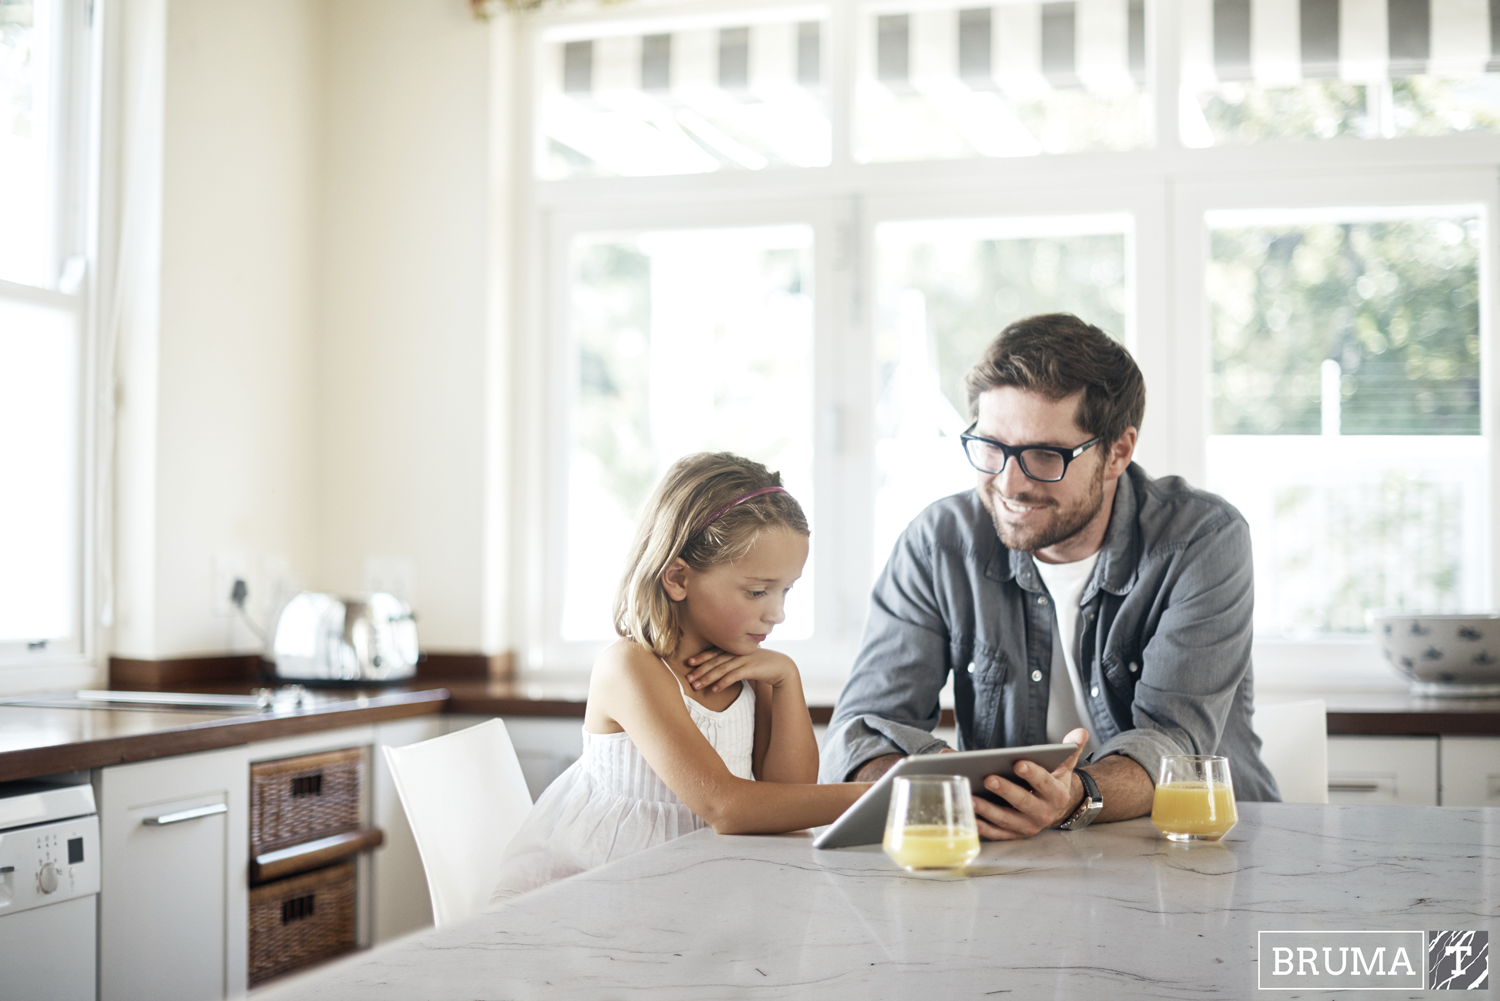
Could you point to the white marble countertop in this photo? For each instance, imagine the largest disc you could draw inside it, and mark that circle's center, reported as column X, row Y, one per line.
column 1111, row 912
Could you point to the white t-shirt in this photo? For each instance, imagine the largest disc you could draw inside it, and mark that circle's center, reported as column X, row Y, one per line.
column 1066, row 707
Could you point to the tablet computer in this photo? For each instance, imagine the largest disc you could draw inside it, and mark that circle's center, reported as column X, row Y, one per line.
column 864, row 822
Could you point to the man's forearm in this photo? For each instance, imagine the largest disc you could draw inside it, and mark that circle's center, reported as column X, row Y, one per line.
column 874, row 768
column 1123, row 784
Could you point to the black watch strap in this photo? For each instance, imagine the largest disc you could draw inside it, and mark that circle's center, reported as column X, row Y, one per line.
column 1087, row 810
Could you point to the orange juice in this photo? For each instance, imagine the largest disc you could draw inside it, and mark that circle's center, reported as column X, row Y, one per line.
column 1195, row 810
column 931, row 846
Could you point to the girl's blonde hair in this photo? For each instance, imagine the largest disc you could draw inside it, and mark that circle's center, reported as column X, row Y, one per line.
column 679, row 521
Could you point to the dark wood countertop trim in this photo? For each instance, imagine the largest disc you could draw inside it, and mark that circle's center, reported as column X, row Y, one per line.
column 491, row 699
column 1413, row 723
column 229, row 732
column 1341, row 722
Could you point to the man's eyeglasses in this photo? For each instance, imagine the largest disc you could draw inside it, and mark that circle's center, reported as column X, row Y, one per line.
column 1044, row 463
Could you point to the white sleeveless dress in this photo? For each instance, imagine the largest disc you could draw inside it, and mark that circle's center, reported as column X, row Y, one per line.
column 610, row 804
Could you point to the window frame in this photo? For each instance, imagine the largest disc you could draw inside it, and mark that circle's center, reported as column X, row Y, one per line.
column 1332, row 662
column 69, row 264
column 1157, row 185
column 543, row 602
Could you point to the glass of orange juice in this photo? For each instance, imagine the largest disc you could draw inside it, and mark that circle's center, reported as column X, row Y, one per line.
column 1194, row 798
column 930, row 824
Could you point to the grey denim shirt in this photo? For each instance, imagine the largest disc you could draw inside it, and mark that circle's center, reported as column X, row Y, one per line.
column 1164, row 628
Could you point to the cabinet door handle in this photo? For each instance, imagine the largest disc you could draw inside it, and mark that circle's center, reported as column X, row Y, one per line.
column 193, row 814
column 1352, row 785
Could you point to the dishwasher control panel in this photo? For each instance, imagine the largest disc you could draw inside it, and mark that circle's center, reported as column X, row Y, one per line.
column 48, row 859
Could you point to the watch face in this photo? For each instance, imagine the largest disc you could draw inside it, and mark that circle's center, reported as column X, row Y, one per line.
column 1086, row 812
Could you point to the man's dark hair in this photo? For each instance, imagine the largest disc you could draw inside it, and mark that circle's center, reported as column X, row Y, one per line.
column 1057, row 354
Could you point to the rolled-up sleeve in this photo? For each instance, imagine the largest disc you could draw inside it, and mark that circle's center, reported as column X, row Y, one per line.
column 890, row 703
column 1198, row 654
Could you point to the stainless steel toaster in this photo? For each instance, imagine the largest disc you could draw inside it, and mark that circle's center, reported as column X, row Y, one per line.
column 323, row 638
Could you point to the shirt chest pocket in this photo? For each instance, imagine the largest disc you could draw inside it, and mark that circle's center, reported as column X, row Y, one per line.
column 979, row 693
column 1122, row 669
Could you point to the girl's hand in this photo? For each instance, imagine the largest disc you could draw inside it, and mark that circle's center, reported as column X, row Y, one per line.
column 715, row 669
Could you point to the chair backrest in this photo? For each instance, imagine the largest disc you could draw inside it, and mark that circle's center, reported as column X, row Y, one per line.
column 464, row 796
column 1294, row 745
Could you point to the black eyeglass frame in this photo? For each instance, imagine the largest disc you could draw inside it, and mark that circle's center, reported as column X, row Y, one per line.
column 1066, row 454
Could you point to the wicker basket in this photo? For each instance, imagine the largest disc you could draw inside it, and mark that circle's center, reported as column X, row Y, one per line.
column 304, row 798
column 300, row 920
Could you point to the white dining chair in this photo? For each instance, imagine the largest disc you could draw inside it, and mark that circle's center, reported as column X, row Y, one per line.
column 465, row 797
column 1294, row 746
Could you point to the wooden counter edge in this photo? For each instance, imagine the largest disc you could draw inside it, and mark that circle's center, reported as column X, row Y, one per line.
column 229, row 732
column 1413, row 723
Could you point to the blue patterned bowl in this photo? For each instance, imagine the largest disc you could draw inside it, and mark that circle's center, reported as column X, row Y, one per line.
column 1455, row 656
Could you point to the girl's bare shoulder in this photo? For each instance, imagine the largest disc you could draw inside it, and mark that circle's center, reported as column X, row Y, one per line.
column 626, row 678
column 626, row 662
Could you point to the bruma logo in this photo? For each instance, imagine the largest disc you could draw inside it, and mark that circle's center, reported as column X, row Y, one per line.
column 1374, row 960
column 1373, row 965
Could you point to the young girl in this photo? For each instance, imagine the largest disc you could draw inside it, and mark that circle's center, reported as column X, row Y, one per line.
column 689, row 722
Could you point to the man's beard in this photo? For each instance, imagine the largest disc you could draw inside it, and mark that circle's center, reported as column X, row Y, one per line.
column 1062, row 526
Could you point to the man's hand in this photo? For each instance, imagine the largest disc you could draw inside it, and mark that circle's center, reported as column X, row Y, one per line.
column 1052, row 798
column 1123, row 784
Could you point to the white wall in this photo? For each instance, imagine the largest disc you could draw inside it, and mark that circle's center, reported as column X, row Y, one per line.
column 401, row 391
column 219, row 456
column 302, row 381
column 236, row 453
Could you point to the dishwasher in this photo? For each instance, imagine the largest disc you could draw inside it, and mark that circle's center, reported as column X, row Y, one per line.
column 49, row 889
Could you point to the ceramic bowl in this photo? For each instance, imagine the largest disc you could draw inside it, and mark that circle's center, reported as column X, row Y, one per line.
column 1457, row 656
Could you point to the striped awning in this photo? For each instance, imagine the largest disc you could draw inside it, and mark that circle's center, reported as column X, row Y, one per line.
column 1025, row 48
column 1283, row 42
column 688, row 96
column 736, row 59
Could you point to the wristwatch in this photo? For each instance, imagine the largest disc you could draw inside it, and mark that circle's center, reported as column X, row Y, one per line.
column 1089, row 808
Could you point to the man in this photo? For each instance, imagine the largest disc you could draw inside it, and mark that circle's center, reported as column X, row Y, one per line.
column 1069, row 592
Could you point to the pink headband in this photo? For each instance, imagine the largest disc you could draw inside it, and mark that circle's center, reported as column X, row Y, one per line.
column 736, row 503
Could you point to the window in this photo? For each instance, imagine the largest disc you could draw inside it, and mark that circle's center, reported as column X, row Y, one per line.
column 943, row 290
column 1323, row 69
column 682, row 341
column 1013, row 79
column 44, row 98
column 1346, row 408
column 742, row 91
column 40, row 448
column 1310, row 306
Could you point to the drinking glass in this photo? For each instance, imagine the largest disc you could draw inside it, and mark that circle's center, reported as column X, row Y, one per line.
column 931, row 823
column 1194, row 798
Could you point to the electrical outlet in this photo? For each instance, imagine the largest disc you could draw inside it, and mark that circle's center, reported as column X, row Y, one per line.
column 393, row 575
column 280, row 584
column 228, row 568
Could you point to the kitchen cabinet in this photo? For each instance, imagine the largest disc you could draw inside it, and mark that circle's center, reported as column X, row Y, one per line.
column 174, row 858
column 392, row 886
column 1470, row 770
column 173, row 836
column 1383, row 770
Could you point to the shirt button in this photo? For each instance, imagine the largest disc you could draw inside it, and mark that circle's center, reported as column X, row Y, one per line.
column 1041, row 599
column 1094, row 691
column 1036, row 675
column 1134, row 667
column 971, row 667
